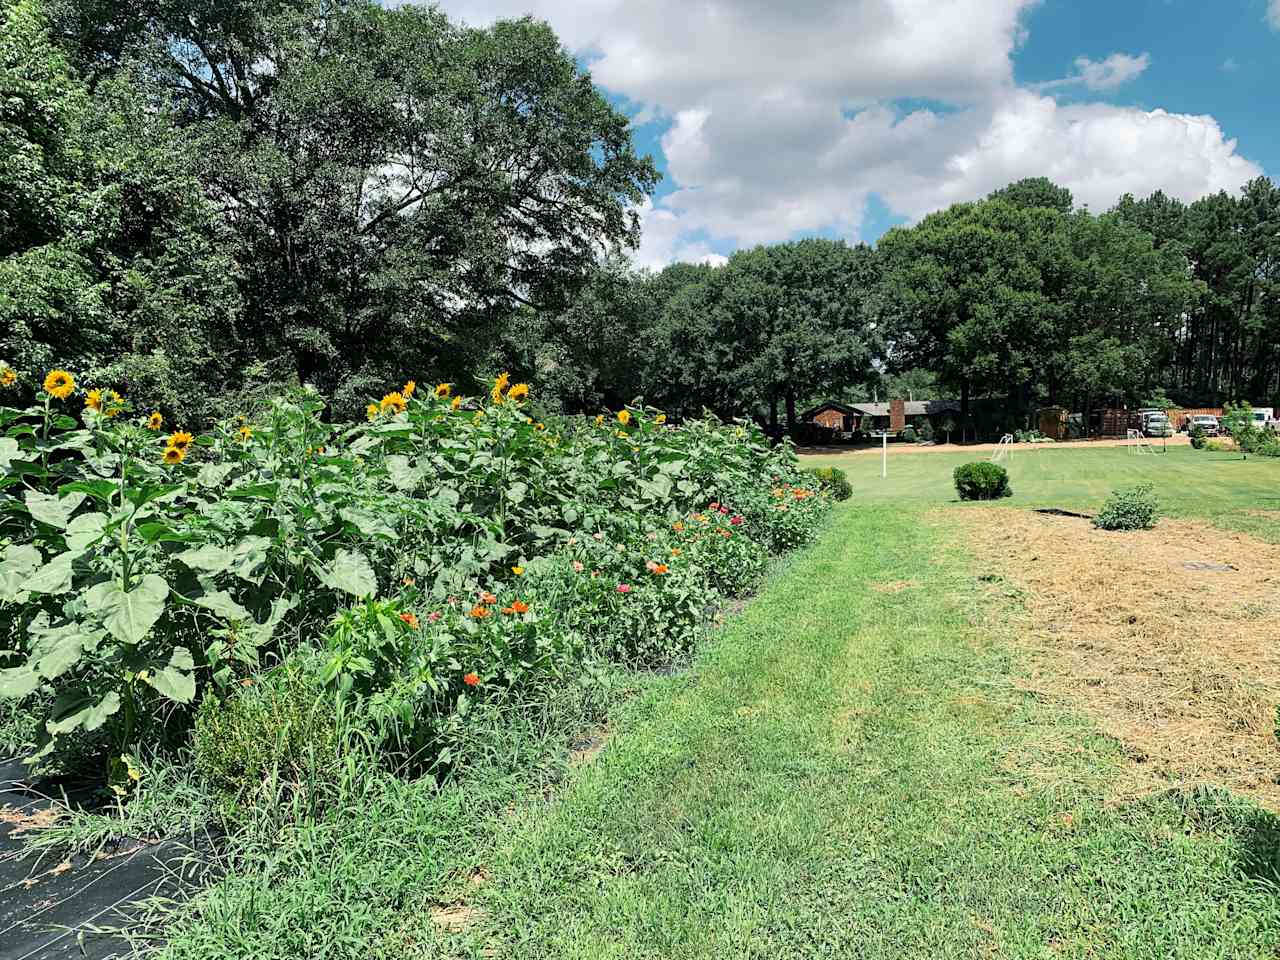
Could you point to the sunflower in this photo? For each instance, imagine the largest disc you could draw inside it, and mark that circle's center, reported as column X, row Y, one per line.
column 245, row 433
column 624, row 417
column 540, row 426
column 457, row 401
column 114, row 403
column 180, row 440
column 174, row 455
column 8, row 377
column 443, row 390
column 409, row 388
column 92, row 400
column 155, row 421
column 519, row 392
column 371, row 411
column 660, row 418
column 393, row 403
column 59, row 384
column 599, row 419
column 500, row 387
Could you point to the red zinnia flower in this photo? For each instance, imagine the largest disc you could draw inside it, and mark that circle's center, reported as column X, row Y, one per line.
column 471, row 679
column 410, row 619
column 624, row 588
column 736, row 521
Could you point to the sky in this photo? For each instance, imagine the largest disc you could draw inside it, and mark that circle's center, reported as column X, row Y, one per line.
column 777, row 119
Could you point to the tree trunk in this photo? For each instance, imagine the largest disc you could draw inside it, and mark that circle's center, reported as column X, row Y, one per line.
column 791, row 409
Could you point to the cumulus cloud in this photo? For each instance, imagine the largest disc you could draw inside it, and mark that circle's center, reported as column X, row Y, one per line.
column 783, row 118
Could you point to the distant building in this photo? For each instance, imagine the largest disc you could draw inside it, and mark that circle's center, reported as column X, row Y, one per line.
column 889, row 417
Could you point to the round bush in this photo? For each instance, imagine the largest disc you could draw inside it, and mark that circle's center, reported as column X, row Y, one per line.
column 281, row 723
column 1132, row 508
column 834, row 481
column 982, row 481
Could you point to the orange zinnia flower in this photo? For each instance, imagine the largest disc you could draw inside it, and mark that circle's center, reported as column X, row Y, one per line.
column 487, row 598
column 471, row 679
column 518, row 606
column 410, row 619
column 480, row 612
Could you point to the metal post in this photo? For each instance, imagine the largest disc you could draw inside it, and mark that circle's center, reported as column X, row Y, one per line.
column 884, row 455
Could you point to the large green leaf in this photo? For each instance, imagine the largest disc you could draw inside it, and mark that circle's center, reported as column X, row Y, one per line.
column 18, row 682
column 222, row 603
column 367, row 522
column 129, row 616
column 75, row 708
column 350, row 572
column 20, row 561
column 176, row 681
column 55, row 511
column 102, row 490
column 9, row 452
column 213, row 474
column 55, row 650
column 250, row 557
column 85, row 530
column 209, row 558
column 402, row 473
column 55, row 576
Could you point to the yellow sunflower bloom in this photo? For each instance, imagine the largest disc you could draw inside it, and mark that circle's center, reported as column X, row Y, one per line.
column 8, row 377
column 155, row 421
column 443, row 390
column 624, row 417
column 174, row 455
column 393, row 403
column 409, row 388
column 519, row 392
column 371, row 411
column 93, row 400
column 245, row 433
column 180, row 440
column 457, row 402
column 59, row 384
column 540, row 426
column 599, row 419
column 660, row 418
column 114, row 403
column 500, row 387
column 518, row 571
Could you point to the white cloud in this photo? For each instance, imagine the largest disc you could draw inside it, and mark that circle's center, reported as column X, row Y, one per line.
column 783, row 117
column 1273, row 14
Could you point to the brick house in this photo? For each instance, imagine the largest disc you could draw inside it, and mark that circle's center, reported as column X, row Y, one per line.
column 889, row 417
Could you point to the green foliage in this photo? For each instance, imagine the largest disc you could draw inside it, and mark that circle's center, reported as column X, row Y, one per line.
column 280, row 725
column 834, row 481
column 1131, row 508
column 982, row 480
column 1198, row 437
column 1237, row 421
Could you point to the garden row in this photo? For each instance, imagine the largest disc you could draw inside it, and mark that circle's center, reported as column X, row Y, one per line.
column 264, row 580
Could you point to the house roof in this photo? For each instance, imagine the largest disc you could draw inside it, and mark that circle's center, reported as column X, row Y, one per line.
column 913, row 408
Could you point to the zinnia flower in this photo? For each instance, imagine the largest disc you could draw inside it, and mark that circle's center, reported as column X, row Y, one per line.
column 174, row 455
column 471, row 679
column 518, row 571
column 246, row 432
column 155, row 421
column 8, row 377
column 678, row 526
column 726, row 534
column 624, row 588
column 714, row 505
column 736, row 521
column 393, row 402
column 577, row 566
column 410, row 619
column 409, row 388
column 519, row 606
column 480, row 612
column 433, row 616
column 624, row 417
column 660, row 569
column 59, row 384
column 442, row 390
column 180, row 440
column 487, row 598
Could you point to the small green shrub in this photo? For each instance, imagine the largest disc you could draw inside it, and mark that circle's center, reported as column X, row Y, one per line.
column 279, row 723
column 1218, row 446
column 982, row 481
column 1198, row 438
column 909, row 434
column 833, row 481
column 1269, row 447
column 1130, row 508
column 926, row 431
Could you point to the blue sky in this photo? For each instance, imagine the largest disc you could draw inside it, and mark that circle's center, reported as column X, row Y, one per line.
column 843, row 117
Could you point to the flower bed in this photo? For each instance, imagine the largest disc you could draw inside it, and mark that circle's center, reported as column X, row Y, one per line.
column 448, row 551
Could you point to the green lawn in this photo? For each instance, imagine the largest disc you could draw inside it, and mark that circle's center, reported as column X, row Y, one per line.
column 1220, row 487
column 853, row 773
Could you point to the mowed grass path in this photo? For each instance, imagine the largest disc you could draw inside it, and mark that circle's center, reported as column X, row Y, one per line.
column 848, row 772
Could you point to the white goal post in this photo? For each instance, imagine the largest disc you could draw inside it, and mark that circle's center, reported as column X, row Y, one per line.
column 1138, row 443
column 1004, row 449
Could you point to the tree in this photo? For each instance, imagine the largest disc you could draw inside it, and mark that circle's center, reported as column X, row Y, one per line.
column 396, row 185
column 1036, row 192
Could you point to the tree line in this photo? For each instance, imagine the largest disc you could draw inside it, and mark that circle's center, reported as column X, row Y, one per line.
column 206, row 199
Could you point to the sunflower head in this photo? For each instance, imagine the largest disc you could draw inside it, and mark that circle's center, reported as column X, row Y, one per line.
column 500, row 387
column 393, row 403
column 113, row 402
column 409, row 388
column 456, row 403
column 59, row 384
column 174, row 455
column 660, row 418
column 180, row 440
column 245, row 433
column 443, row 390
column 599, row 419
column 371, row 411
column 92, row 400
column 624, row 417
column 8, row 377
column 519, row 392
column 155, row 421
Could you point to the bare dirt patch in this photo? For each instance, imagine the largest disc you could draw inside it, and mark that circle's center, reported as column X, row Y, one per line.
column 1168, row 637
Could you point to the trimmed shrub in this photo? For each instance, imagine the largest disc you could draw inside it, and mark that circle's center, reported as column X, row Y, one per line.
column 833, row 481
column 1198, row 438
column 277, row 724
column 1130, row 508
column 909, row 434
column 982, row 481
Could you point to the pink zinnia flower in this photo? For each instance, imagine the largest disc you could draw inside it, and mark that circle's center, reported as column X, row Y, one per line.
column 736, row 521
column 577, row 566
column 624, row 588
column 433, row 616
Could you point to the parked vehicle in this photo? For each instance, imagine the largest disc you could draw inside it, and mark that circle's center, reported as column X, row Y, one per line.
column 1206, row 422
column 1264, row 419
column 1157, row 426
